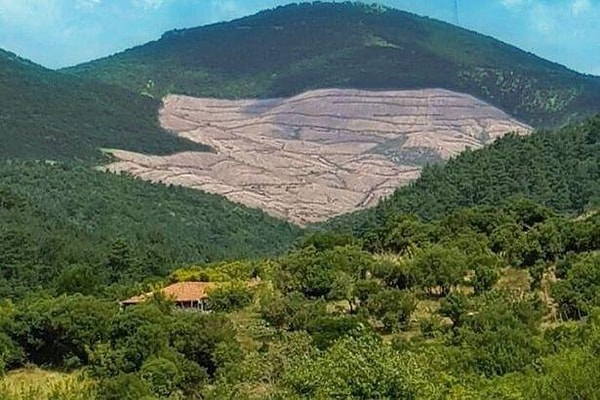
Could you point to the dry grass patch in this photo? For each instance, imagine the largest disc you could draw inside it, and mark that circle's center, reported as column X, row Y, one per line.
column 38, row 384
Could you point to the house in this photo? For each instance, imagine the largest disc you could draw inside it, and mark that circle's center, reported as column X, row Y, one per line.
column 186, row 295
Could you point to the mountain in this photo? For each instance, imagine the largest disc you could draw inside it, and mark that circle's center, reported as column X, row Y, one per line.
column 294, row 48
column 319, row 154
column 54, row 218
column 50, row 115
column 558, row 169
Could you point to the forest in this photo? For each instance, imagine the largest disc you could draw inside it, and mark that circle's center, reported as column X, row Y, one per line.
column 558, row 169
column 483, row 303
column 48, row 115
column 66, row 226
column 485, row 296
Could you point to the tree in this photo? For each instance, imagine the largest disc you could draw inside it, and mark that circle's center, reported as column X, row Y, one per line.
column 355, row 368
column 486, row 274
column 455, row 306
column 395, row 274
column 314, row 273
column 393, row 307
column 162, row 376
column 304, row 271
column 209, row 340
column 439, row 269
column 500, row 335
column 79, row 278
column 578, row 292
column 60, row 332
column 230, row 298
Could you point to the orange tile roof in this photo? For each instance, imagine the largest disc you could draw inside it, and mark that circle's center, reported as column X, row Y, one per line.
column 178, row 292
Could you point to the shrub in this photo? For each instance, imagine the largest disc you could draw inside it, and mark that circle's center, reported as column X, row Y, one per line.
column 393, row 308
column 231, row 297
column 162, row 376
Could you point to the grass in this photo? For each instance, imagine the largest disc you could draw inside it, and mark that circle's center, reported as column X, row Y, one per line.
column 38, row 384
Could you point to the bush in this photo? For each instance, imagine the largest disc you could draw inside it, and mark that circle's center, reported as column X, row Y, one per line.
column 230, row 298
column 162, row 376
column 124, row 387
column 393, row 308
column 579, row 291
column 430, row 327
column 438, row 269
column 455, row 307
column 355, row 368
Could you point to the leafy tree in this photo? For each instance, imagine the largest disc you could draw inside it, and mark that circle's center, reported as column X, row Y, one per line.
column 59, row 332
column 231, row 297
column 78, row 278
column 439, row 269
column 393, row 307
column 486, row 274
column 303, row 271
column 395, row 274
column 124, row 387
column 579, row 291
column 500, row 337
column 355, row 368
column 202, row 339
column 162, row 376
column 456, row 307
column 327, row 329
column 315, row 274
column 322, row 241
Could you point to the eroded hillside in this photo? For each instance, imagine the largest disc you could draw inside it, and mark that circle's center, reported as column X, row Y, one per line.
column 321, row 153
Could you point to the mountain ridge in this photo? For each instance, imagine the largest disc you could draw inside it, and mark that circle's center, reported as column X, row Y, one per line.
column 46, row 114
column 290, row 49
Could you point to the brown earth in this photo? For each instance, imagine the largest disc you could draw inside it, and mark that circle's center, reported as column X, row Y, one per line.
column 321, row 153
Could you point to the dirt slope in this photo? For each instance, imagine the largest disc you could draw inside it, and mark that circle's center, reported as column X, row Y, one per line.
column 321, row 153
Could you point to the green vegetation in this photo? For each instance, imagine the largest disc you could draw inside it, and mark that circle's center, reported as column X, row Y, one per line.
column 331, row 319
column 71, row 229
column 294, row 48
column 560, row 170
column 495, row 300
column 48, row 115
column 478, row 281
column 36, row 384
column 489, row 301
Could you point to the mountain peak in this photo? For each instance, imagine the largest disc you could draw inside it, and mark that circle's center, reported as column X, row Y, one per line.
column 291, row 49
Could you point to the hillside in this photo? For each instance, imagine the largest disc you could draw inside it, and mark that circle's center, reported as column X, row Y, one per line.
column 291, row 49
column 495, row 303
column 49, row 115
column 61, row 223
column 559, row 169
column 319, row 154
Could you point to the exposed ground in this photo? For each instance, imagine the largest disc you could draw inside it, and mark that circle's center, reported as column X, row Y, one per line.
column 319, row 154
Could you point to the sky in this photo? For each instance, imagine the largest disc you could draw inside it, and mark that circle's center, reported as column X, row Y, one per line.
column 59, row 33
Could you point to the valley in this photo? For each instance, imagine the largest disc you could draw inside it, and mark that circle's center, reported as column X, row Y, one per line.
column 319, row 154
column 318, row 201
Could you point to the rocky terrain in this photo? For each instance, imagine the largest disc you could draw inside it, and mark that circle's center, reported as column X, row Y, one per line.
column 319, row 154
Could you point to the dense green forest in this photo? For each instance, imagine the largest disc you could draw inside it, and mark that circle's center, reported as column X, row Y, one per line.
column 484, row 303
column 48, row 115
column 558, row 169
column 495, row 296
column 293, row 48
column 64, row 227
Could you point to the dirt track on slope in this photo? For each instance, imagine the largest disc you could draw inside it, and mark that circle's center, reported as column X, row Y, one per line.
column 319, row 154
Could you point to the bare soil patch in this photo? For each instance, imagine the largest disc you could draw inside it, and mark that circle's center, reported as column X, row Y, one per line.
column 319, row 154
